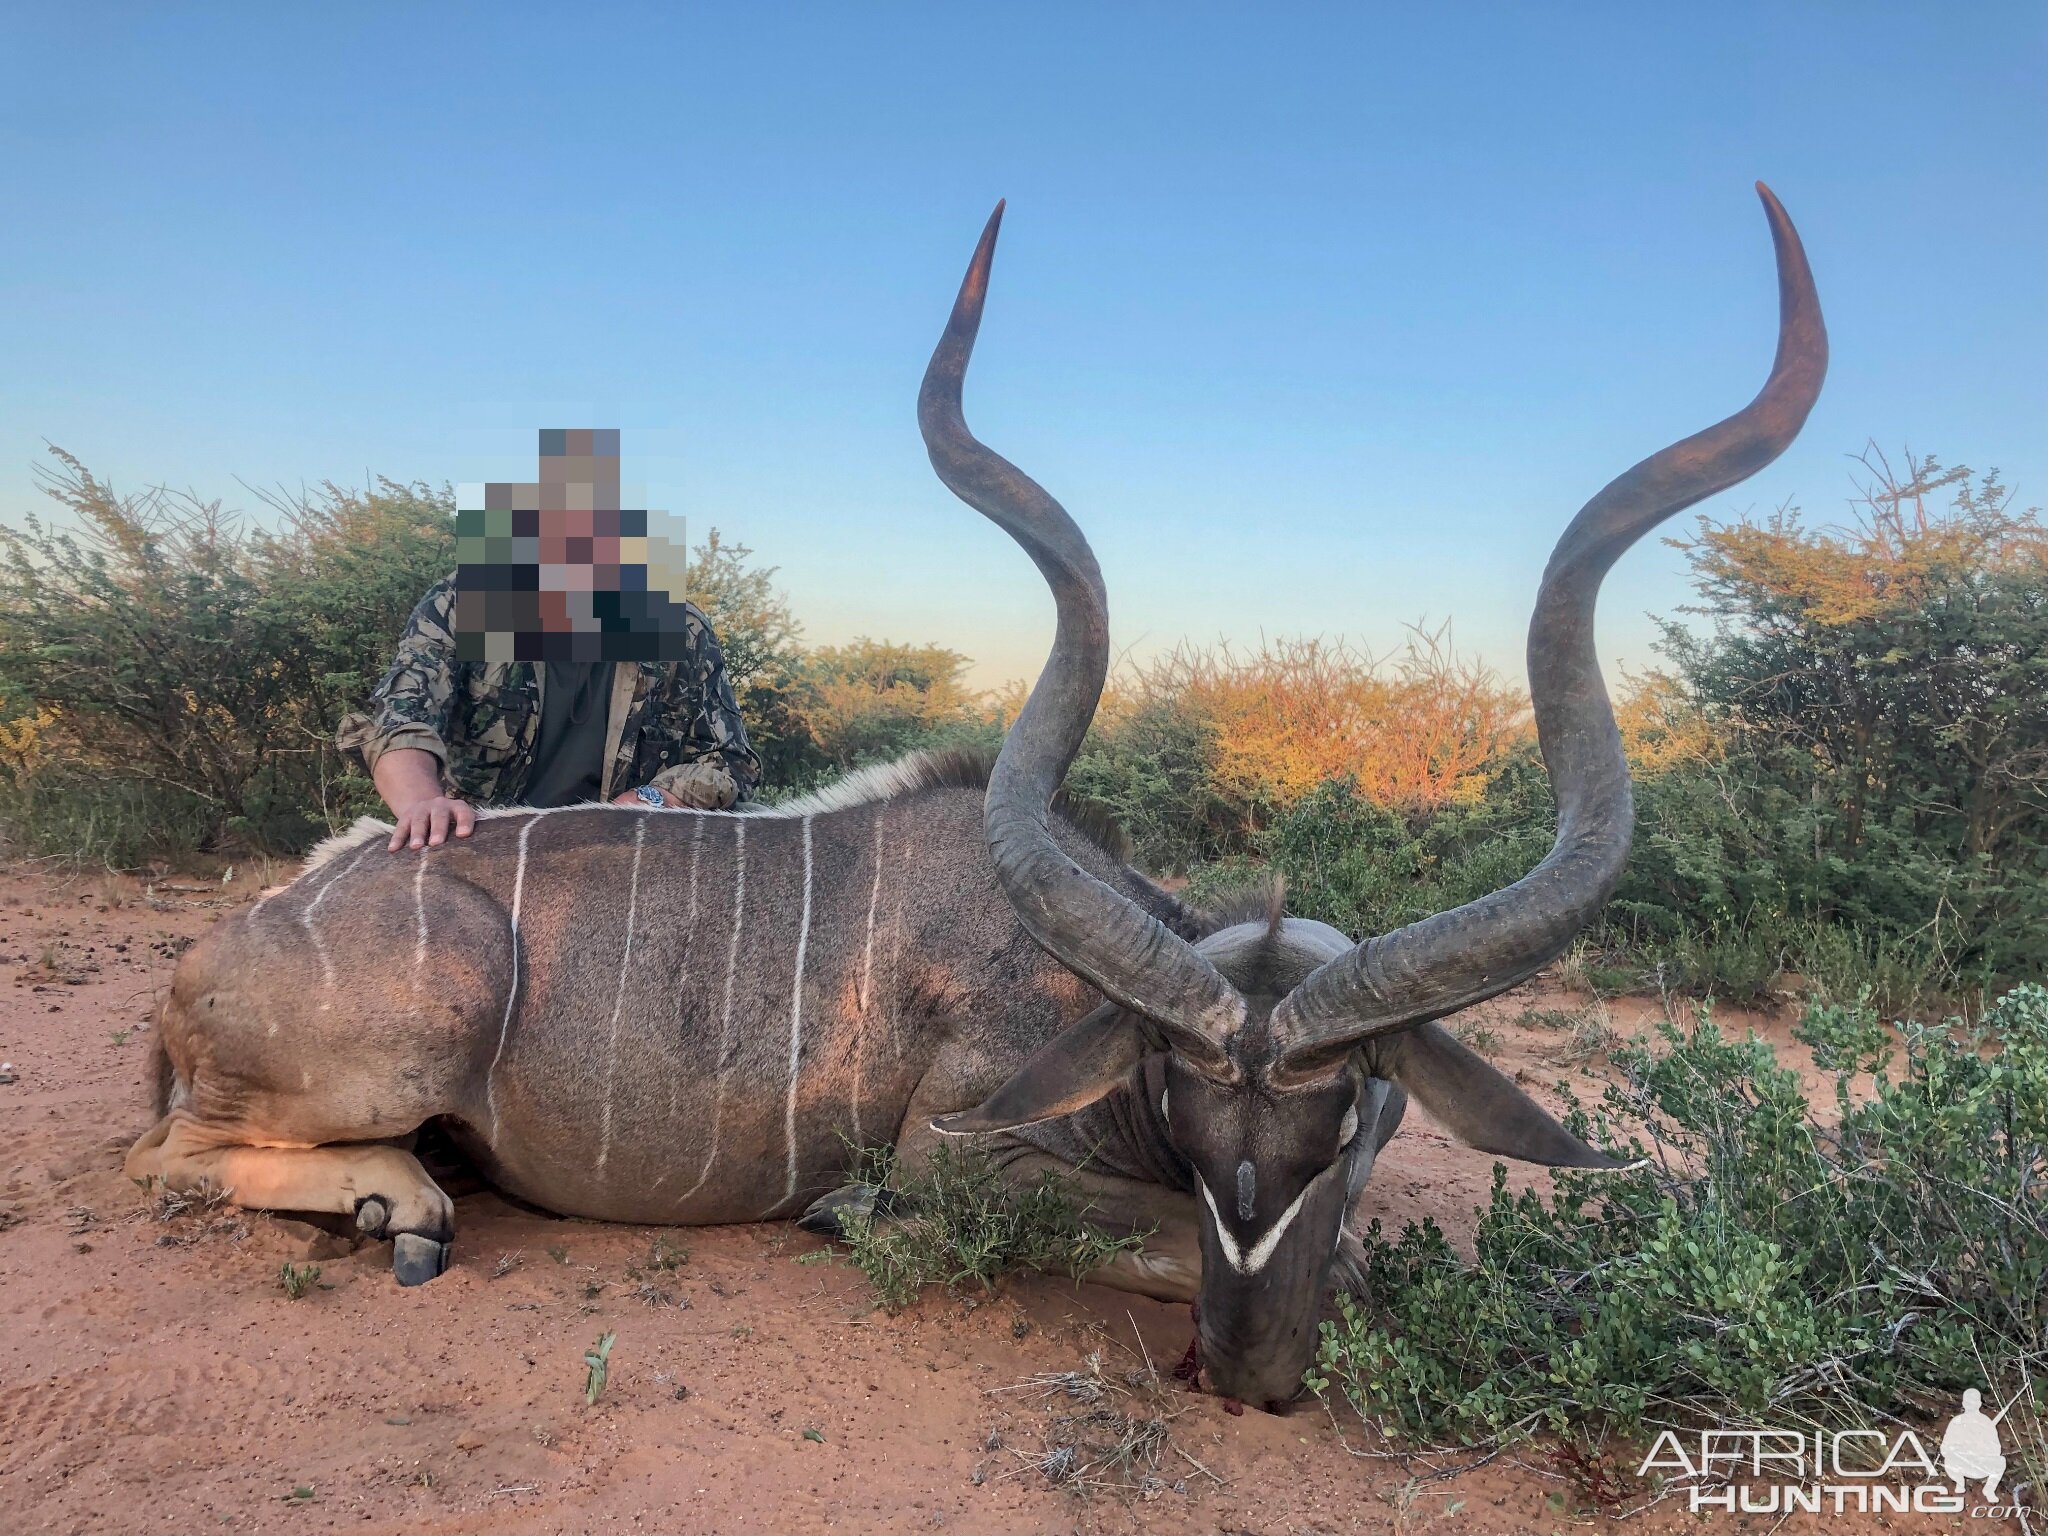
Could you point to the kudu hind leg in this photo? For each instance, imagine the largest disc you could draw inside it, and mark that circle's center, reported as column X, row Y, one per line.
column 382, row 1186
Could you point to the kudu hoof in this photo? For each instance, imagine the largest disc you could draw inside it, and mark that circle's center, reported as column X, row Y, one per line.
column 827, row 1214
column 415, row 1260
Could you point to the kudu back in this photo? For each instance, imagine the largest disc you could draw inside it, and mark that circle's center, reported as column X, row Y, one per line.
column 673, row 1016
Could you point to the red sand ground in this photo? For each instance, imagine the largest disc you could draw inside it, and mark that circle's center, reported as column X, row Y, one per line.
column 154, row 1377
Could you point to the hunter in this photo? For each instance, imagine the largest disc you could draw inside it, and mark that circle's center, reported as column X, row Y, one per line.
column 448, row 730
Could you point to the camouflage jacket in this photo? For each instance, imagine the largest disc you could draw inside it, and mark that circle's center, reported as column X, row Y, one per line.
column 481, row 719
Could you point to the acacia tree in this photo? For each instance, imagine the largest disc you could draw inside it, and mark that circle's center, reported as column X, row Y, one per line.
column 1882, row 688
column 869, row 700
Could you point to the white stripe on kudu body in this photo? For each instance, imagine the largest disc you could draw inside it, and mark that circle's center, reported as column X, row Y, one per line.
column 675, row 1082
column 611, row 1066
column 732, row 960
column 796, row 1017
column 867, row 954
column 313, row 932
column 865, row 990
column 419, row 918
column 512, row 994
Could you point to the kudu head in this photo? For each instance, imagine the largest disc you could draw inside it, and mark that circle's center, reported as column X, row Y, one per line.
column 1283, row 1039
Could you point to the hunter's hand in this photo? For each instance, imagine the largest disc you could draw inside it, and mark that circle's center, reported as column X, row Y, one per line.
column 427, row 823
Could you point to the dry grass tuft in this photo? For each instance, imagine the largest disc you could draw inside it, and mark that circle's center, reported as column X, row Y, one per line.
column 1589, row 1033
column 1103, row 1435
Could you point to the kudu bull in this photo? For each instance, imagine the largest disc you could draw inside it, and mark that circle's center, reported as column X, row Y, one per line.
column 688, row 1017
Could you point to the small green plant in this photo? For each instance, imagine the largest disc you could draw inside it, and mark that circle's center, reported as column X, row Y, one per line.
column 959, row 1221
column 297, row 1279
column 1478, row 1033
column 559, row 1252
column 121, row 1036
column 1769, row 1264
column 663, row 1253
column 597, row 1368
column 1613, row 980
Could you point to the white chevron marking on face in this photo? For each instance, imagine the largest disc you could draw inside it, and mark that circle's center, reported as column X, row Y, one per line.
column 1262, row 1251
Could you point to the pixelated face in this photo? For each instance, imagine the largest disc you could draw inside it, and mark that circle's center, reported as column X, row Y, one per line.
column 557, row 570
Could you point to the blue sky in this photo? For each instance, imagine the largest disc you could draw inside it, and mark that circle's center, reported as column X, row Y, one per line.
column 1321, row 320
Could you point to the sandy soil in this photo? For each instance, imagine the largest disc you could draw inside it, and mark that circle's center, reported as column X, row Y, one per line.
column 155, row 1377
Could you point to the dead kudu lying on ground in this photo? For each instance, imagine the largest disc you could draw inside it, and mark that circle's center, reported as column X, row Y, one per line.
column 686, row 1017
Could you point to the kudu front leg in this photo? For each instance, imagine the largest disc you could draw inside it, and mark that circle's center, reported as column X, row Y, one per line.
column 382, row 1186
column 1167, row 1264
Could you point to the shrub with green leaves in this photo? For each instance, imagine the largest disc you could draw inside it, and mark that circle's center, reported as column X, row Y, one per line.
column 959, row 1221
column 1772, row 1262
column 196, row 664
column 1366, row 868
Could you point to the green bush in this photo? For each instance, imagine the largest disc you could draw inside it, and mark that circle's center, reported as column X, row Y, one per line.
column 197, row 667
column 959, row 1221
column 1365, row 869
column 1772, row 1262
column 69, row 813
column 1154, row 770
column 1738, row 964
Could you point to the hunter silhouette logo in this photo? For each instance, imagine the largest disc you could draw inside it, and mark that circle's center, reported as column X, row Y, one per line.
column 1970, row 1448
column 1786, row 1471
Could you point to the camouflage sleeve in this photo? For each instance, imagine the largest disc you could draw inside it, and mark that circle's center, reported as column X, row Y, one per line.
column 413, row 706
column 707, row 717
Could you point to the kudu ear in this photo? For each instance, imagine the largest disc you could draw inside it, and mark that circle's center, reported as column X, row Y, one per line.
column 1476, row 1102
column 1070, row 1071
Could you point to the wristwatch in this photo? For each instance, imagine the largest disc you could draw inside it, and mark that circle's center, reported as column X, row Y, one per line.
column 651, row 795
